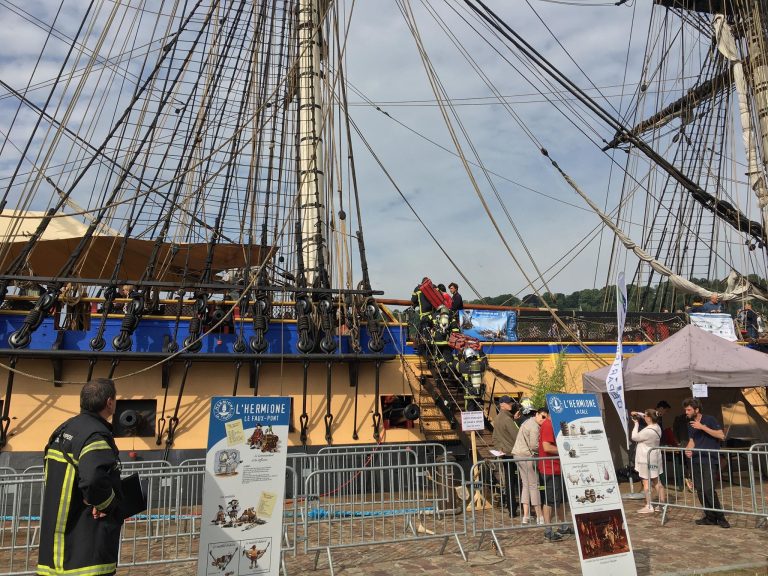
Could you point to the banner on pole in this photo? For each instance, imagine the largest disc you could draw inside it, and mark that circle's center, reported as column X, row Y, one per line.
column 614, row 383
column 244, row 487
column 593, row 490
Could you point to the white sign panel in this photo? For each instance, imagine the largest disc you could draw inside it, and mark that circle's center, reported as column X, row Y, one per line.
column 472, row 421
column 718, row 324
column 244, row 488
column 700, row 391
column 593, row 491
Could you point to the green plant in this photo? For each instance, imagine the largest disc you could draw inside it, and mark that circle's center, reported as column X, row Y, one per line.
column 548, row 381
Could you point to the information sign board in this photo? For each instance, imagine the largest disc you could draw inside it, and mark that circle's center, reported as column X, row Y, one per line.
column 244, row 487
column 593, row 491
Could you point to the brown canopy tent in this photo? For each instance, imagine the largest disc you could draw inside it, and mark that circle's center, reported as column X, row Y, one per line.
column 669, row 369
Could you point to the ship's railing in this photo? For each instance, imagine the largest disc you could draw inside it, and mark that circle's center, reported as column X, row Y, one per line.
column 714, row 482
column 533, row 325
column 420, row 504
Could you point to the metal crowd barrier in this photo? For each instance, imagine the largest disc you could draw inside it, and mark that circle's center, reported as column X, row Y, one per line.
column 727, row 481
column 426, row 452
column 350, row 507
column 393, row 477
column 489, row 498
column 759, row 455
column 21, row 500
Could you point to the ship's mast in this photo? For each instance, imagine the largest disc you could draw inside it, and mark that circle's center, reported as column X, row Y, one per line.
column 756, row 30
column 751, row 131
column 311, row 178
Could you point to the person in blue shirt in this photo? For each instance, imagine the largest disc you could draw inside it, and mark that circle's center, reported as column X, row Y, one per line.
column 713, row 306
column 705, row 433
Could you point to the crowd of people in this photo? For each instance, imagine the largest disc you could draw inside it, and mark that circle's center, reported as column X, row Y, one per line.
column 526, row 443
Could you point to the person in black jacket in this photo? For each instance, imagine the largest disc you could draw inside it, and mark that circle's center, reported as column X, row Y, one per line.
column 81, row 520
column 424, row 309
column 457, row 302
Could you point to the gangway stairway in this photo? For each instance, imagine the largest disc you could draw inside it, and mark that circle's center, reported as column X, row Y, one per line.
column 442, row 400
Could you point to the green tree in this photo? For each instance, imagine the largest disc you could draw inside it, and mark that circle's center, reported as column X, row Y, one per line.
column 548, row 381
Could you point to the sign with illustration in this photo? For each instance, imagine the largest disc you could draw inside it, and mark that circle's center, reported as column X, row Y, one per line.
column 489, row 325
column 244, row 486
column 591, row 485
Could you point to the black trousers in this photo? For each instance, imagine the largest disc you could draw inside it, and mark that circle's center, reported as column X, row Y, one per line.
column 704, row 473
column 510, row 490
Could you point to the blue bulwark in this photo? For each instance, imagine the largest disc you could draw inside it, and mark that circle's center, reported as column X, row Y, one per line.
column 250, row 411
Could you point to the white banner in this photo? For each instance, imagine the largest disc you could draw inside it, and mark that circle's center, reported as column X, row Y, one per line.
column 244, row 490
column 614, row 383
column 593, row 491
column 717, row 324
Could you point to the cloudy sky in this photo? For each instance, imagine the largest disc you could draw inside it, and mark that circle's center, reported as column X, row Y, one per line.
column 540, row 219
column 549, row 217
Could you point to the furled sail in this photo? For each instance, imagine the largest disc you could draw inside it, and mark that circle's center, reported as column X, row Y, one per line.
column 726, row 45
column 739, row 288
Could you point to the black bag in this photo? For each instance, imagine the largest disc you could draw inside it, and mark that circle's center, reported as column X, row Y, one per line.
column 134, row 499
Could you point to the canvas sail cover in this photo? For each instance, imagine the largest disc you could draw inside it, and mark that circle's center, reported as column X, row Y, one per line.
column 63, row 234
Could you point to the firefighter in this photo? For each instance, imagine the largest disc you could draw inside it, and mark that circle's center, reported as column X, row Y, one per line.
column 81, row 520
column 424, row 310
column 471, row 365
column 443, row 325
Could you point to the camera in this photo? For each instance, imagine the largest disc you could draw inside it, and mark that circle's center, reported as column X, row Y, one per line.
column 637, row 414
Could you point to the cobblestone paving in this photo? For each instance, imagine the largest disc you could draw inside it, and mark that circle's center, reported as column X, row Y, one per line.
column 679, row 547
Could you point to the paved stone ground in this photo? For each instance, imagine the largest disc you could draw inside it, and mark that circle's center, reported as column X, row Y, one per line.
column 679, row 547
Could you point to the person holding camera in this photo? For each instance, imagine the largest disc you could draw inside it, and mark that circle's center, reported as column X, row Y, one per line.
column 705, row 433
column 648, row 462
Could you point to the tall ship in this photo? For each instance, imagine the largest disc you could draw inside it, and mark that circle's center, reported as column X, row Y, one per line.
column 181, row 211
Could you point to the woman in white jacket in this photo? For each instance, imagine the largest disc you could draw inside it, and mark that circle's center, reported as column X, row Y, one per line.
column 648, row 438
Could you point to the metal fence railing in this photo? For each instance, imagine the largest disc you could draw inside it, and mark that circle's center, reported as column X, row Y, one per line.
column 170, row 528
column 498, row 487
column 349, row 507
column 21, row 500
column 371, row 495
column 714, row 482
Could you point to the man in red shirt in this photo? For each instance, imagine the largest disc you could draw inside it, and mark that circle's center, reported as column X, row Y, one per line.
column 554, row 490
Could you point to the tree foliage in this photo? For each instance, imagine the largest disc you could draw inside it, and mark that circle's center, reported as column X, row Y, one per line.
column 548, row 381
column 656, row 298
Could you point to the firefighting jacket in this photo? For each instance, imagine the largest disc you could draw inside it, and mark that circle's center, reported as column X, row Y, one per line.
column 82, row 472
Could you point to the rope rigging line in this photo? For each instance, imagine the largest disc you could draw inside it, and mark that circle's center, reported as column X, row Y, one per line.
column 389, row 176
column 723, row 209
column 533, row 72
column 279, row 234
column 405, row 9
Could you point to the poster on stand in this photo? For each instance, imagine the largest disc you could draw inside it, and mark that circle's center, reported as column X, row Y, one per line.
column 244, row 487
column 593, row 490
